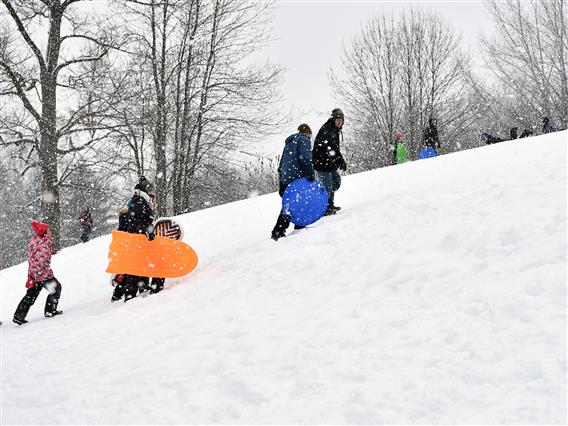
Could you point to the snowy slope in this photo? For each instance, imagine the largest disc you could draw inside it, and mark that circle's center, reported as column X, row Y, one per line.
column 437, row 295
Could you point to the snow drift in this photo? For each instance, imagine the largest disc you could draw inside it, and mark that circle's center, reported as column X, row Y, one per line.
column 437, row 295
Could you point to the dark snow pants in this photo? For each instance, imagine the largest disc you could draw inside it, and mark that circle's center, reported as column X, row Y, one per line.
column 87, row 228
column 131, row 285
column 332, row 182
column 54, row 288
column 283, row 221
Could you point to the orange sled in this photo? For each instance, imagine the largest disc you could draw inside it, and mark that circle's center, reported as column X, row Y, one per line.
column 164, row 257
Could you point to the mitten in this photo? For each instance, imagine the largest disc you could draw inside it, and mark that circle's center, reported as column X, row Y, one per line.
column 30, row 282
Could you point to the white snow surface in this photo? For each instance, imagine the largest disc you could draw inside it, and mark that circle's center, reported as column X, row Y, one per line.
column 437, row 295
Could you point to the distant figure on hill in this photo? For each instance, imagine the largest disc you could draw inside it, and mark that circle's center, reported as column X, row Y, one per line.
column 40, row 274
column 295, row 163
column 513, row 133
column 548, row 126
column 400, row 151
column 490, row 139
column 526, row 133
column 86, row 221
column 430, row 136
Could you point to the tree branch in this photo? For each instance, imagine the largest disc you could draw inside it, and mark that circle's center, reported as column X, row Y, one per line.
column 24, row 33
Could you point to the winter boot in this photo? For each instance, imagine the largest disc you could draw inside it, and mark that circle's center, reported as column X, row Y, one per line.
column 19, row 321
column 277, row 235
column 52, row 314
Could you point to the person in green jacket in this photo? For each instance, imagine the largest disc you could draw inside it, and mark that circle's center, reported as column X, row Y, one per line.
column 400, row 148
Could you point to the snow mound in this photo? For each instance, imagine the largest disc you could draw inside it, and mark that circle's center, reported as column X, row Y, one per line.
column 437, row 295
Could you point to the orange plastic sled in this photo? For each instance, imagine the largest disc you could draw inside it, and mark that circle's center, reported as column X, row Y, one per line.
column 162, row 258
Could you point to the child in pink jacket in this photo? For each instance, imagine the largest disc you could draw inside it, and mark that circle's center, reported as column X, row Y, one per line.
column 40, row 274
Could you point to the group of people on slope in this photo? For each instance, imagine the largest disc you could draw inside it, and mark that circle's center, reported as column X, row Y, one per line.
column 299, row 160
column 547, row 127
column 137, row 218
column 430, row 139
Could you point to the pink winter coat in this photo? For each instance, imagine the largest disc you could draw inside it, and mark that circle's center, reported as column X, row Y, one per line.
column 39, row 258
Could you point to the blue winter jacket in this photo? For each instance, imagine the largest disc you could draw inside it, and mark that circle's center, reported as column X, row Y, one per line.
column 549, row 127
column 296, row 161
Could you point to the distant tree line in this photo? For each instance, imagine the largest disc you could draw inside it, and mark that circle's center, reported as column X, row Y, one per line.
column 403, row 69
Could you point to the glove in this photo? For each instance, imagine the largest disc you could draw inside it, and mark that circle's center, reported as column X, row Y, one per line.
column 150, row 233
column 343, row 165
column 311, row 178
column 30, row 282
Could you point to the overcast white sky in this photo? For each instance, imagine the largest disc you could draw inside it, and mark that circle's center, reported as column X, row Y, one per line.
column 309, row 39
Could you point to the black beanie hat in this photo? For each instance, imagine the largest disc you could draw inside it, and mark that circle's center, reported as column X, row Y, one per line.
column 144, row 185
column 337, row 113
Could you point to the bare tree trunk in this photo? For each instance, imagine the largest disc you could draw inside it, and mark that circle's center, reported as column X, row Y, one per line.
column 46, row 69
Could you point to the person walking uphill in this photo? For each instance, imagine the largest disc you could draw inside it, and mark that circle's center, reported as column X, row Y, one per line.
column 327, row 157
column 86, row 221
column 40, row 274
column 139, row 220
column 548, row 126
column 296, row 163
column 430, row 136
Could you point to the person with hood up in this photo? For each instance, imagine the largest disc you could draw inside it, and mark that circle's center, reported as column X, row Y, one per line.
column 40, row 274
column 327, row 157
column 296, row 163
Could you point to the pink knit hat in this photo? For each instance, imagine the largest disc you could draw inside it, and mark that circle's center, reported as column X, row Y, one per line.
column 40, row 228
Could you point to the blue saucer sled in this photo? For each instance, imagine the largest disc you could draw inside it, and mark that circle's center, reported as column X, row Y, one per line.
column 304, row 202
column 427, row 152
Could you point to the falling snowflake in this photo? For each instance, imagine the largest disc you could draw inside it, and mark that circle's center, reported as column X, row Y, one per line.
column 48, row 197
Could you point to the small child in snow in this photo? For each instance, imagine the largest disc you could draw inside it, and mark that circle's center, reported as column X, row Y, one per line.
column 40, row 274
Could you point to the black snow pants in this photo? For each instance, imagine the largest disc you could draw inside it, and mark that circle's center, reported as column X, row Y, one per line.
column 283, row 221
column 51, row 285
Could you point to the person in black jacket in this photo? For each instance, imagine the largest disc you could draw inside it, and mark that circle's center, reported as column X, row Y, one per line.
column 139, row 220
column 86, row 221
column 327, row 158
column 430, row 136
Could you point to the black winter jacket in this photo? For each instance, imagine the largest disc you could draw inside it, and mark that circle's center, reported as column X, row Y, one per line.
column 140, row 215
column 430, row 137
column 326, row 155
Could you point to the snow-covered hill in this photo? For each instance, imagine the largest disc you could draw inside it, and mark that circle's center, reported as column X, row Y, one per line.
column 437, row 295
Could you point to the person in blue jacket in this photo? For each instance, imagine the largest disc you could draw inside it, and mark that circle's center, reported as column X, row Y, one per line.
column 548, row 126
column 296, row 163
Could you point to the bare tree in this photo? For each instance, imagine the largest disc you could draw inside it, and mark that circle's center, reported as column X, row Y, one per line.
column 529, row 58
column 32, row 71
column 205, row 98
column 368, row 86
column 396, row 74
